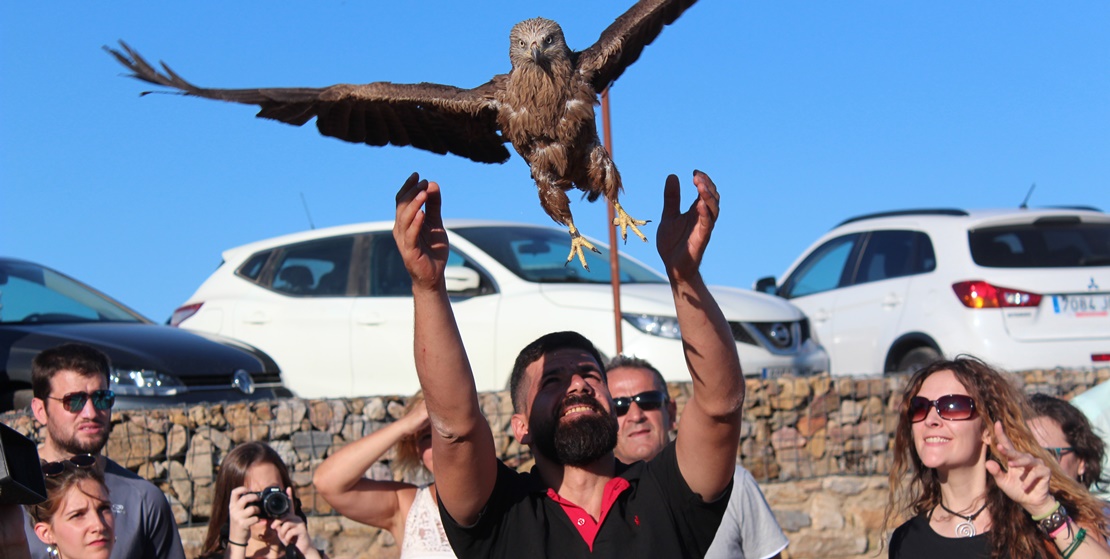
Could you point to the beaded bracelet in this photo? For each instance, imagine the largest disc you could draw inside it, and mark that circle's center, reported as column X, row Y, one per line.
column 1075, row 543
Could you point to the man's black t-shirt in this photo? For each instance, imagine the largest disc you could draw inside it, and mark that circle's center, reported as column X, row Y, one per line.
column 657, row 516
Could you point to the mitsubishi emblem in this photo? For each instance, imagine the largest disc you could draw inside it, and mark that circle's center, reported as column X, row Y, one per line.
column 1092, row 286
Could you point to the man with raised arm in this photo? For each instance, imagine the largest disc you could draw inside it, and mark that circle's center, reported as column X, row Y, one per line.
column 578, row 500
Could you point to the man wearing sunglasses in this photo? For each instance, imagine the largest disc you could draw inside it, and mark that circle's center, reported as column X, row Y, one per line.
column 578, row 500
column 646, row 416
column 72, row 398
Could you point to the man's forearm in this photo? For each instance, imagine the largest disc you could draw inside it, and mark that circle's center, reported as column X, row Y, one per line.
column 441, row 362
column 462, row 442
column 710, row 351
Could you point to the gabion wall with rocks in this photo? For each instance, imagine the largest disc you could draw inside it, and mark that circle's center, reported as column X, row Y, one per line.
column 818, row 445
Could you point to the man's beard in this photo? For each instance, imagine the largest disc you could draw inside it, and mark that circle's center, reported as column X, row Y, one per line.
column 75, row 445
column 578, row 442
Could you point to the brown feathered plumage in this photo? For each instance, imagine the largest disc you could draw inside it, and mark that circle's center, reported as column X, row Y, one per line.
column 544, row 106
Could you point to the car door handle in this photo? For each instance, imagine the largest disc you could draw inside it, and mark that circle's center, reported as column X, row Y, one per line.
column 821, row 315
column 891, row 300
column 257, row 317
column 369, row 318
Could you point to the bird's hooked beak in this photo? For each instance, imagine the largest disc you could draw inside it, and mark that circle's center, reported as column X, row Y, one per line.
column 537, row 54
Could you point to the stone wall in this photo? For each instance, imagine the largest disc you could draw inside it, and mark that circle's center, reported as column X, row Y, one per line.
column 818, row 446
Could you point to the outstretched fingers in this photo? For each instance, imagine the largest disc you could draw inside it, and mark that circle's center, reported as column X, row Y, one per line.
column 1025, row 478
column 708, row 196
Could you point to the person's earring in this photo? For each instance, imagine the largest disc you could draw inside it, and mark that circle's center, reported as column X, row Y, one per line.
column 52, row 551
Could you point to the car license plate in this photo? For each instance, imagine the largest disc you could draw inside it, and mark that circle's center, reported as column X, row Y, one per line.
column 1079, row 306
column 775, row 372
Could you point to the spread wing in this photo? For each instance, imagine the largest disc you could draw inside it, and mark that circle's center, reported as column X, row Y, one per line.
column 438, row 118
column 622, row 42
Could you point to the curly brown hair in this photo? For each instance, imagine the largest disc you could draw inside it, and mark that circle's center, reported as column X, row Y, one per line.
column 1086, row 445
column 915, row 489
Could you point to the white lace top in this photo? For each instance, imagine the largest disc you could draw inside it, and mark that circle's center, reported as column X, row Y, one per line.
column 424, row 536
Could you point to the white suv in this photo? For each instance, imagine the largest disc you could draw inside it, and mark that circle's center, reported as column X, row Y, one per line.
column 1022, row 289
column 334, row 308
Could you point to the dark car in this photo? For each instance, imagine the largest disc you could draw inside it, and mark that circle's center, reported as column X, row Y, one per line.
column 152, row 364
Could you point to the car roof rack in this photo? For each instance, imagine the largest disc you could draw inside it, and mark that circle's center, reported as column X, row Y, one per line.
column 896, row 213
column 1081, row 208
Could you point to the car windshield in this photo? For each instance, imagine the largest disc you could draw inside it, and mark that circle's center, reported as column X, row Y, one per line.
column 1053, row 242
column 540, row 255
column 31, row 294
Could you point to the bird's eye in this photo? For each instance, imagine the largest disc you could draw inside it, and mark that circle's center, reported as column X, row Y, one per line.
column 547, row 40
column 520, row 42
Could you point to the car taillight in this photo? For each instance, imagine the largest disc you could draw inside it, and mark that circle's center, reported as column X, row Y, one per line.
column 982, row 295
column 183, row 313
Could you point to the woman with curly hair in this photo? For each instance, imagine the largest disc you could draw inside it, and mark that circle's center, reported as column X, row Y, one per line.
column 974, row 481
column 406, row 510
column 1066, row 433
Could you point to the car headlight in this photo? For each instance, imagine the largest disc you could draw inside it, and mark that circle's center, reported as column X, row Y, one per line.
column 143, row 382
column 662, row 326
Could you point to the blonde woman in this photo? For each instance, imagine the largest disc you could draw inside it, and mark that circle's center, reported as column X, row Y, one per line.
column 407, row 511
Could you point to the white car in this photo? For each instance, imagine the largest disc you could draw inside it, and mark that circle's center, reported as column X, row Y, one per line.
column 1018, row 288
column 334, row 308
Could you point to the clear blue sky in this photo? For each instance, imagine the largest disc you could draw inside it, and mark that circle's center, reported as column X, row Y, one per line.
column 804, row 113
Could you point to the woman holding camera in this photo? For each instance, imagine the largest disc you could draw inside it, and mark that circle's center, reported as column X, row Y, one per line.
column 406, row 510
column 255, row 511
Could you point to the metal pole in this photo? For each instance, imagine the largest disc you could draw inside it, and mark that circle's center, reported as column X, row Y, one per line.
column 614, row 261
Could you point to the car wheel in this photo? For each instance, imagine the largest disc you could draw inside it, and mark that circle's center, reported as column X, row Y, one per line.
column 916, row 359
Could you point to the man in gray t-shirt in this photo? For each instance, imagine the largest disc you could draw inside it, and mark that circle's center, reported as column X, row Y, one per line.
column 71, row 397
column 646, row 416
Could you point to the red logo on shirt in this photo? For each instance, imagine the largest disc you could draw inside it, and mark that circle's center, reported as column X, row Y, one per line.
column 636, row 519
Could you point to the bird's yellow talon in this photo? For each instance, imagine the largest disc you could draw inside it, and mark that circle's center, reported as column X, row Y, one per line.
column 577, row 243
column 625, row 221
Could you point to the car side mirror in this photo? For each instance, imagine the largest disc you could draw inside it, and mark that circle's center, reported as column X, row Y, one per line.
column 767, row 285
column 460, row 279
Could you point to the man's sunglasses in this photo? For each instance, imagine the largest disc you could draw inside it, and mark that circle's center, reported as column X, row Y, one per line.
column 648, row 401
column 83, row 461
column 74, row 402
column 953, row 407
column 1060, row 451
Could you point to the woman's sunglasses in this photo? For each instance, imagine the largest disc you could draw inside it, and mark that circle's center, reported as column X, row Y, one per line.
column 83, row 461
column 74, row 402
column 1060, row 451
column 953, row 407
column 650, row 400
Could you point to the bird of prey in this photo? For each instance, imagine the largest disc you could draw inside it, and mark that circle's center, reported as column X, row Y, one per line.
column 544, row 106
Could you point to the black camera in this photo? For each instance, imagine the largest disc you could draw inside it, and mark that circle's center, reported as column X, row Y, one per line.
column 272, row 503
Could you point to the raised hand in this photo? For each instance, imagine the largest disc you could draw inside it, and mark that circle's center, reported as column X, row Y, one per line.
column 417, row 419
column 242, row 514
column 683, row 237
column 1025, row 477
column 419, row 234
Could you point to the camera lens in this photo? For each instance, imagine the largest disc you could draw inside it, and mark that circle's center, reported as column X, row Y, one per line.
column 274, row 503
